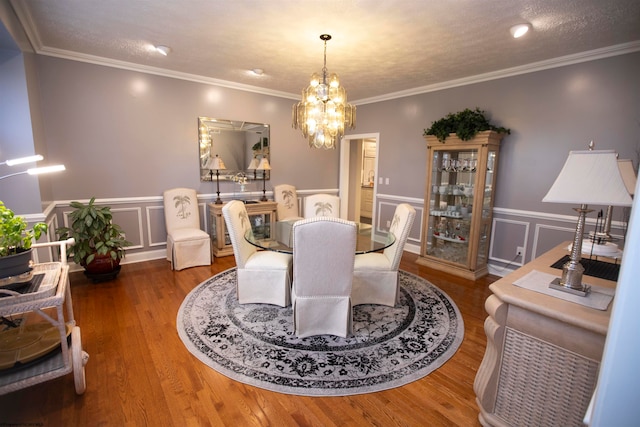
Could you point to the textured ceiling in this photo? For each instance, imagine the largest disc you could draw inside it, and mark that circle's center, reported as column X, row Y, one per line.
column 380, row 48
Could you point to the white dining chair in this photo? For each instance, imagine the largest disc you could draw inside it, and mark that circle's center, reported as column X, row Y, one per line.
column 375, row 276
column 262, row 276
column 322, row 205
column 286, row 196
column 187, row 244
column 323, row 259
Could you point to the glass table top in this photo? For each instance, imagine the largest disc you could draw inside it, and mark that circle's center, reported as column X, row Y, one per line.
column 279, row 238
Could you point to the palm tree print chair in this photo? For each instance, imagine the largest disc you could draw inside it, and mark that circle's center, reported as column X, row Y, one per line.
column 262, row 276
column 322, row 205
column 375, row 277
column 323, row 258
column 187, row 244
column 287, row 198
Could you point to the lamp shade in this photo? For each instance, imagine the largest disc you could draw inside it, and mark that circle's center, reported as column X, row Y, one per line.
column 590, row 178
column 628, row 175
column 264, row 165
column 253, row 165
column 217, row 163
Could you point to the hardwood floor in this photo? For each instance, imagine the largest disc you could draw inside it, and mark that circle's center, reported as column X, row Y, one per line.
column 140, row 374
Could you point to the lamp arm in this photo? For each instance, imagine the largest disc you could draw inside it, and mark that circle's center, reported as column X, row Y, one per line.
column 13, row 174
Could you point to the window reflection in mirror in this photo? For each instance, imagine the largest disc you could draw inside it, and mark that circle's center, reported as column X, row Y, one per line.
column 236, row 142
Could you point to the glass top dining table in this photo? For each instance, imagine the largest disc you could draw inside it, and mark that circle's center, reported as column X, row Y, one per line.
column 280, row 237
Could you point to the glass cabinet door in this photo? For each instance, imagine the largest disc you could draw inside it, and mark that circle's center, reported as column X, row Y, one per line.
column 453, row 180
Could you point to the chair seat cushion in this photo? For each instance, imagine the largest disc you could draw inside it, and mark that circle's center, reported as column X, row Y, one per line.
column 372, row 262
column 183, row 234
column 269, row 260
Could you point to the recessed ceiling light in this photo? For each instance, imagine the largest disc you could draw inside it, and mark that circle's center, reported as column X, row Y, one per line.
column 163, row 50
column 520, row 30
column 258, row 71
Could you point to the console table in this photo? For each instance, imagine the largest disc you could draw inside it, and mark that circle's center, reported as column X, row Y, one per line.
column 260, row 213
column 543, row 353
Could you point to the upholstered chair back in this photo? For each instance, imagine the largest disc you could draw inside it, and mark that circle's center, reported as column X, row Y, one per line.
column 287, row 198
column 181, row 209
column 323, row 260
column 322, row 205
column 401, row 224
column 237, row 221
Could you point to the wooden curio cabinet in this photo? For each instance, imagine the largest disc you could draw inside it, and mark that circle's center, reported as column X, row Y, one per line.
column 458, row 209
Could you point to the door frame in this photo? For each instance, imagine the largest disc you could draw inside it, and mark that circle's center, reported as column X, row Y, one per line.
column 344, row 171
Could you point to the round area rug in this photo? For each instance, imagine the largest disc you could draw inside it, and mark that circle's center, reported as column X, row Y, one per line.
column 255, row 343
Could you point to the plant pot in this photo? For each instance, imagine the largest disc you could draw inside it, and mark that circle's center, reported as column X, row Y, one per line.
column 102, row 264
column 15, row 265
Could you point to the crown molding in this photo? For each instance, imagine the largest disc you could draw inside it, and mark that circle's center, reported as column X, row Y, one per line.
column 22, row 12
column 592, row 55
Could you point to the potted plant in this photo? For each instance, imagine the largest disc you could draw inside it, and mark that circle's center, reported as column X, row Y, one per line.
column 465, row 124
column 99, row 243
column 15, row 242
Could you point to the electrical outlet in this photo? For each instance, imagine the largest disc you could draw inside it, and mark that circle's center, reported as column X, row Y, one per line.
column 519, row 250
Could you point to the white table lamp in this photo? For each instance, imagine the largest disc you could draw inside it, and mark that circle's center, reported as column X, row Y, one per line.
column 587, row 178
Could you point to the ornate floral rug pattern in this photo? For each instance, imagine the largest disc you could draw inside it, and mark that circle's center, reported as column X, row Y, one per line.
column 255, row 343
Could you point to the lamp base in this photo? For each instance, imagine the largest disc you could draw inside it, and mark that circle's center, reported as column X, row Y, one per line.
column 218, row 201
column 264, row 198
column 583, row 291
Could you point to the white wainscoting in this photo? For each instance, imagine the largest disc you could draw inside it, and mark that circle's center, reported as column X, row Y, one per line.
column 142, row 218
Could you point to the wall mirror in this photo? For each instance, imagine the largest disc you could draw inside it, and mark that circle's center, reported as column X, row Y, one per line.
column 237, row 143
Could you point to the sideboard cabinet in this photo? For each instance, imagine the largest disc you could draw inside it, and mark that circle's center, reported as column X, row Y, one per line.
column 458, row 210
column 260, row 213
column 543, row 353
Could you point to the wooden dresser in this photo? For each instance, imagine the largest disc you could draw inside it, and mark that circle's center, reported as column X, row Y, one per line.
column 543, row 353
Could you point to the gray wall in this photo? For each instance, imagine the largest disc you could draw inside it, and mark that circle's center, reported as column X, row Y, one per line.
column 20, row 193
column 126, row 136
column 549, row 113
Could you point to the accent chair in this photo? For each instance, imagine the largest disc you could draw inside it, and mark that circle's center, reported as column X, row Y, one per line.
column 263, row 276
column 323, row 260
column 322, row 205
column 375, row 277
column 187, row 244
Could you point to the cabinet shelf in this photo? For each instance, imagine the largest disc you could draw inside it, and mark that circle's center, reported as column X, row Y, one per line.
column 451, row 239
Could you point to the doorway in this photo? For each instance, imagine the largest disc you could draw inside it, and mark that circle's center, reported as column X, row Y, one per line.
column 358, row 171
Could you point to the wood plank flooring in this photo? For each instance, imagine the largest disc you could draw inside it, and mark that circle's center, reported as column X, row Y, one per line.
column 140, row 374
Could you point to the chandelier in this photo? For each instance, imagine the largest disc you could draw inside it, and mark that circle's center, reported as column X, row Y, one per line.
column 323, row 112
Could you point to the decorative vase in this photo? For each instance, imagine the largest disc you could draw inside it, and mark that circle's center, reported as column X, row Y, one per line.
column 15, row 265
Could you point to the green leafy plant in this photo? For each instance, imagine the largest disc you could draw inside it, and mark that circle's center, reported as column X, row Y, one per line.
column 94, row 233
column 465, row 124
column 14, row 235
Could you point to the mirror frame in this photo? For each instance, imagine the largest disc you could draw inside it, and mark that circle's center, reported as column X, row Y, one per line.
column 241, row 141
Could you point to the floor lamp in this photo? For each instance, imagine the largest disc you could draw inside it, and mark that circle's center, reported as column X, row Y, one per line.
column 218, row 165
column 264, row 166
column 587, row 178
column 32, row 171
